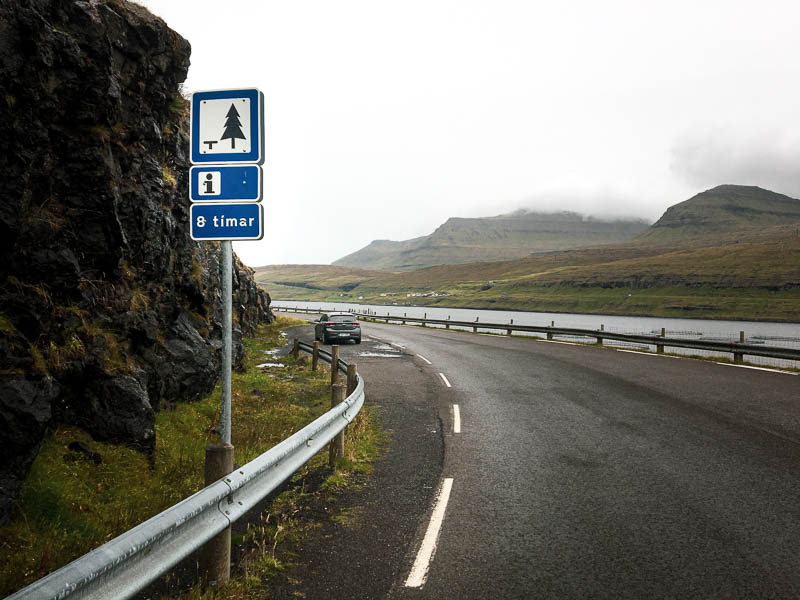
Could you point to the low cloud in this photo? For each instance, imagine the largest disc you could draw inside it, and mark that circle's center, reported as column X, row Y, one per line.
column 606, row 205
column 721, row 157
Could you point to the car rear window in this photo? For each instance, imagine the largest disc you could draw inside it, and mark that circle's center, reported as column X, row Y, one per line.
column 341, row 318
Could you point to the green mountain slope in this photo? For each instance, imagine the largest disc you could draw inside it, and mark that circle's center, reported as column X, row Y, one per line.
column 516, row 235
column 702, row 259
column 725, row 209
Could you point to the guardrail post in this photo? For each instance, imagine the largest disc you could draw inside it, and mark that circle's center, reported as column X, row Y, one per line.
column 475, row 327
column 334, row 365
column 508, row 329
column 660, row 347
column 352, row 378
column 447, row 325
column 425, row 317
column 215, row 558
column 336, row 447
column 738, row 357
column 600, row 338
column 315, row 356
column 296, row 348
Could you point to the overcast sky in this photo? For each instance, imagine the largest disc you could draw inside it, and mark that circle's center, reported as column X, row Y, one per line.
column 383, row 118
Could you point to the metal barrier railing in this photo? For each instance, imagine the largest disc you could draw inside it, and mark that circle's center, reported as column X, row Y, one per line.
column 128, row 563
column 738, row 349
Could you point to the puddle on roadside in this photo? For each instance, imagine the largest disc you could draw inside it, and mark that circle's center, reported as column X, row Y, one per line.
column 385, row 348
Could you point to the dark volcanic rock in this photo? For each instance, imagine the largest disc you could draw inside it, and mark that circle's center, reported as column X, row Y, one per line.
column 117, row 409
column 108, row 310
column 25, row 411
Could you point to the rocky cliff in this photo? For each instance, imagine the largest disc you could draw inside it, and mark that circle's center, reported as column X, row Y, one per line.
column 108, row 310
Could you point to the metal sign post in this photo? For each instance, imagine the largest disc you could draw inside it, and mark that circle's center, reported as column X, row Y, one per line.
column 225, row 185
column 227, row 339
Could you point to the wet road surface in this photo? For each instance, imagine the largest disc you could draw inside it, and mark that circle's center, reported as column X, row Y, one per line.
column 569, row 472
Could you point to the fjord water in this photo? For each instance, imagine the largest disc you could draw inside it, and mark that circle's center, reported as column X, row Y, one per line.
column 785, row 335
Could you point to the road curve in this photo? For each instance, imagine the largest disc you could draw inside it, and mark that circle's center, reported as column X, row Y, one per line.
column 587, row 472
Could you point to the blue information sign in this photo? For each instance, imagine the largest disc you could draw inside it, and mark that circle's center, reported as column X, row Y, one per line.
column 222, row 183
column 227, row 126
column 227, row 221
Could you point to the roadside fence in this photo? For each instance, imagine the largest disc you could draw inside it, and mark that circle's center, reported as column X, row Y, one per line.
column 739, row 349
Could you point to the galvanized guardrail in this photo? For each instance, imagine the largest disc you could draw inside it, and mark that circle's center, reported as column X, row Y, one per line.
column 131, row 561
column 738, row 349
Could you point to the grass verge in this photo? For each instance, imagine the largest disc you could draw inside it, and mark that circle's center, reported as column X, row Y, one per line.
column 70, row 504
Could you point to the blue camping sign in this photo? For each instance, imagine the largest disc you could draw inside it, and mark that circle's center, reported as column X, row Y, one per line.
column 227, row 126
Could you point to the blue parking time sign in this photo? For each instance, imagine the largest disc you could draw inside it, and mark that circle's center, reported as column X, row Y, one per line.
column 227, row 126
column 224, row 183
column 230, row 221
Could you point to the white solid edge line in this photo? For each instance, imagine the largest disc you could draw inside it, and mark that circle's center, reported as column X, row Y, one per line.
column 419, row 572
column 447, row 383
column 757, row 368
column 456, row 419
column 425, row 359
column 648, row 353
column 636, row 352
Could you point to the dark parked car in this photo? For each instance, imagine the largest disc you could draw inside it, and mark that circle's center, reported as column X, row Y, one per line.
column 337, row 326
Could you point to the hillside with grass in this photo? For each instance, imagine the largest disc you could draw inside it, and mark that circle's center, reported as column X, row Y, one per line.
column 503, row 237
column 723, row 210
column 82, row 492
column 737, row 269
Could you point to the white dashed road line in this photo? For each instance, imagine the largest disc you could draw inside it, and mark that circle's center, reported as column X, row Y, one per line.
column 447, row 383
column 456, row 419
column 425, row 359
column 419, row 572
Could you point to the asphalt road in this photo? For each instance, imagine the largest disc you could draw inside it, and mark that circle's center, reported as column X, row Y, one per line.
column 578, row 472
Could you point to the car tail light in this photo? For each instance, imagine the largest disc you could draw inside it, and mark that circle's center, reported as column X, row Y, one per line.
column 329, row 323
column 355, row 323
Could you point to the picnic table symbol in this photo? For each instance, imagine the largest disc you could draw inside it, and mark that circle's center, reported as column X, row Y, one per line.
column 233, row 129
